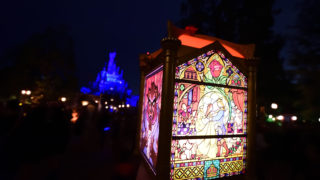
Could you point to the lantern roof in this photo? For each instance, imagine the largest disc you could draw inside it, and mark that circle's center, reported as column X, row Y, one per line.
column 188, row 37
column 191, row 42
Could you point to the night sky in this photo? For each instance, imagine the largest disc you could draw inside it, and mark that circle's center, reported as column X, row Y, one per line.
column 98, row 27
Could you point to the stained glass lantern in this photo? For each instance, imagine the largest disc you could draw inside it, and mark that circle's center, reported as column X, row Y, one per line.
column 197, row 107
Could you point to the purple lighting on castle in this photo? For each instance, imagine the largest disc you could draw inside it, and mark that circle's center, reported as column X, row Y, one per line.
column 110, row 81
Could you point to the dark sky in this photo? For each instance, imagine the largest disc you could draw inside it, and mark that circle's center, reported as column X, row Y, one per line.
column 97, row 27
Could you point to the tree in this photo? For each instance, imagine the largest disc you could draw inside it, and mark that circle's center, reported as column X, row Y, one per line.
column 305, row 55
column 43, row 64
column 246, row 21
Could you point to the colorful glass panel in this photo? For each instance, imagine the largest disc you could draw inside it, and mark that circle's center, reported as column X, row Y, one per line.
column 208, row 110
column 209, row 119
column 208, row 158
column 151, row 116
column 211, row 67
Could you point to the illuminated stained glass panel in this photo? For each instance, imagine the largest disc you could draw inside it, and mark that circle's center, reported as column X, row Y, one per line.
column 211, row 67
column 208, row 158
column 151, row 116
column 208, row 110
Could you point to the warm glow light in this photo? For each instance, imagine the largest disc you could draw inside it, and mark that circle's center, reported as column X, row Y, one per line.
column 280, row 117
column 20, row 104
column 115, row 108
column 128, row 105
column 28, row 92
column 270, row 116
column 319, row 119
column 192, row 41
column 63, row 99
column 96, row 101
column 122, row 105
column 196, row 42
column 74, row 116
column 112, row 99
column 119, row 106
column 232, row 51
column 84, row 103
column 106, row 102
column 23, row 91
column 294, row 118
column 274, row 106
column 107, row 107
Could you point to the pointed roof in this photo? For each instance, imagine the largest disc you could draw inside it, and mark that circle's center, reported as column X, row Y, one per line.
column 190, row 42
column 189, row 38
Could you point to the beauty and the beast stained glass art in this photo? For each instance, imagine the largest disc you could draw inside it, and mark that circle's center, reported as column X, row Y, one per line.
column 209, row 119
column 151, row 116
column 207, row 158
column 211, row 67
column 184, row 150
column 208, row 110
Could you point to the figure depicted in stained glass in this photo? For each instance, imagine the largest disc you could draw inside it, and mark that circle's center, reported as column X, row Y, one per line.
column 213, row 114
column 187, row 149
column 215, row 68
column 237, row 122
column 192, row 129
column 184, row 116
column 151, row 115
column 196, row 105
column 222, row 142
column 152, row 128
column 238, row 96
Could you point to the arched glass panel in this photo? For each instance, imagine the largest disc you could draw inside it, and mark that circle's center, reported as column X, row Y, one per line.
column 211, row 67
column 209, row 126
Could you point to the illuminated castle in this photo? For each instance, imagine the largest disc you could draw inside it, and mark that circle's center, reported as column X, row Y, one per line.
column 110, row 81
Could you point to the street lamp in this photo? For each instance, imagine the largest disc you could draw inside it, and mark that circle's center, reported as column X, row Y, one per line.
column 274, row 106
column 84, row 103
column 25, row 92
column 28, row 92
column 294, row 118
column 280, row 117
column 63, row 99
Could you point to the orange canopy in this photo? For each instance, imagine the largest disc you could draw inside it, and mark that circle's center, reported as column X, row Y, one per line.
column 189, row 38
